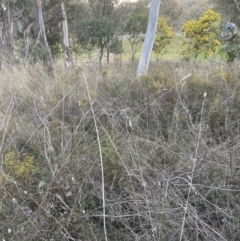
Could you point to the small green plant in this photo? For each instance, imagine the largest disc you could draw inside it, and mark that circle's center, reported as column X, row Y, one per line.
column 231, row 50
column 54, row 41
column 19, row 168
column 84, row 102
column 113, row 168
column 159, row 79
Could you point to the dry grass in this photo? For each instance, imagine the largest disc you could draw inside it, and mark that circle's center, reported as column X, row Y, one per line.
column 119, row 158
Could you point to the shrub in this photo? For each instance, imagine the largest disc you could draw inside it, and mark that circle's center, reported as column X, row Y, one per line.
column 164, row 36
column 201, row 35
column 19, row 168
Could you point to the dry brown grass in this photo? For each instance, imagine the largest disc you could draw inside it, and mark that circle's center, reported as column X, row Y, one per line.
column 149, row 159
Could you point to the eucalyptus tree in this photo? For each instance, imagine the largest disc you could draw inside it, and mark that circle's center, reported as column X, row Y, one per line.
column 42, row 37
column 24, row 25
column 14, row 16
column 6, row 31
column 136, row 26
column 67, row 52
column 104, row 26
column 229, row 9
column 98, row 27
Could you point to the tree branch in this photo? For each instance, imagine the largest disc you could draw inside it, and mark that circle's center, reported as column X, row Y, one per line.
column 238, row 4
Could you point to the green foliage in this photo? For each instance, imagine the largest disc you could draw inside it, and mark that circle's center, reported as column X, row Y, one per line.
column 80, row 27
column 54, row 41
column 231, row 50
column 101, row 32
column 164, row 36
column 99, row 28
column 201, row 35
column 19, row 168
column 34, row 53
column 136, row 26
column 138, row 19
column 116, row 46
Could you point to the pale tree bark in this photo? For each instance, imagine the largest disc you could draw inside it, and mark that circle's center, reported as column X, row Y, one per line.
column 149, row 37
column 68, row 62
column 238, row 4
column 26, row 39
column 42, row 37
column 6, row 33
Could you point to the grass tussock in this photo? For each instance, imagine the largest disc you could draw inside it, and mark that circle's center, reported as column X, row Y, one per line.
column 92, row 155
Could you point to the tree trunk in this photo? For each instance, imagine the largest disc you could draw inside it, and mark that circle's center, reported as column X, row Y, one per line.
column 101, row 56
column 108, row 55
column 42, row 37
column 149, row 37
column 6, row 33
column 238, row 4
column 68, row 62
column 26, row 33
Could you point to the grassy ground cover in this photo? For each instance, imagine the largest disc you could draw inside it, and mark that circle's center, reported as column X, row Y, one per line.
column 96, row 154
